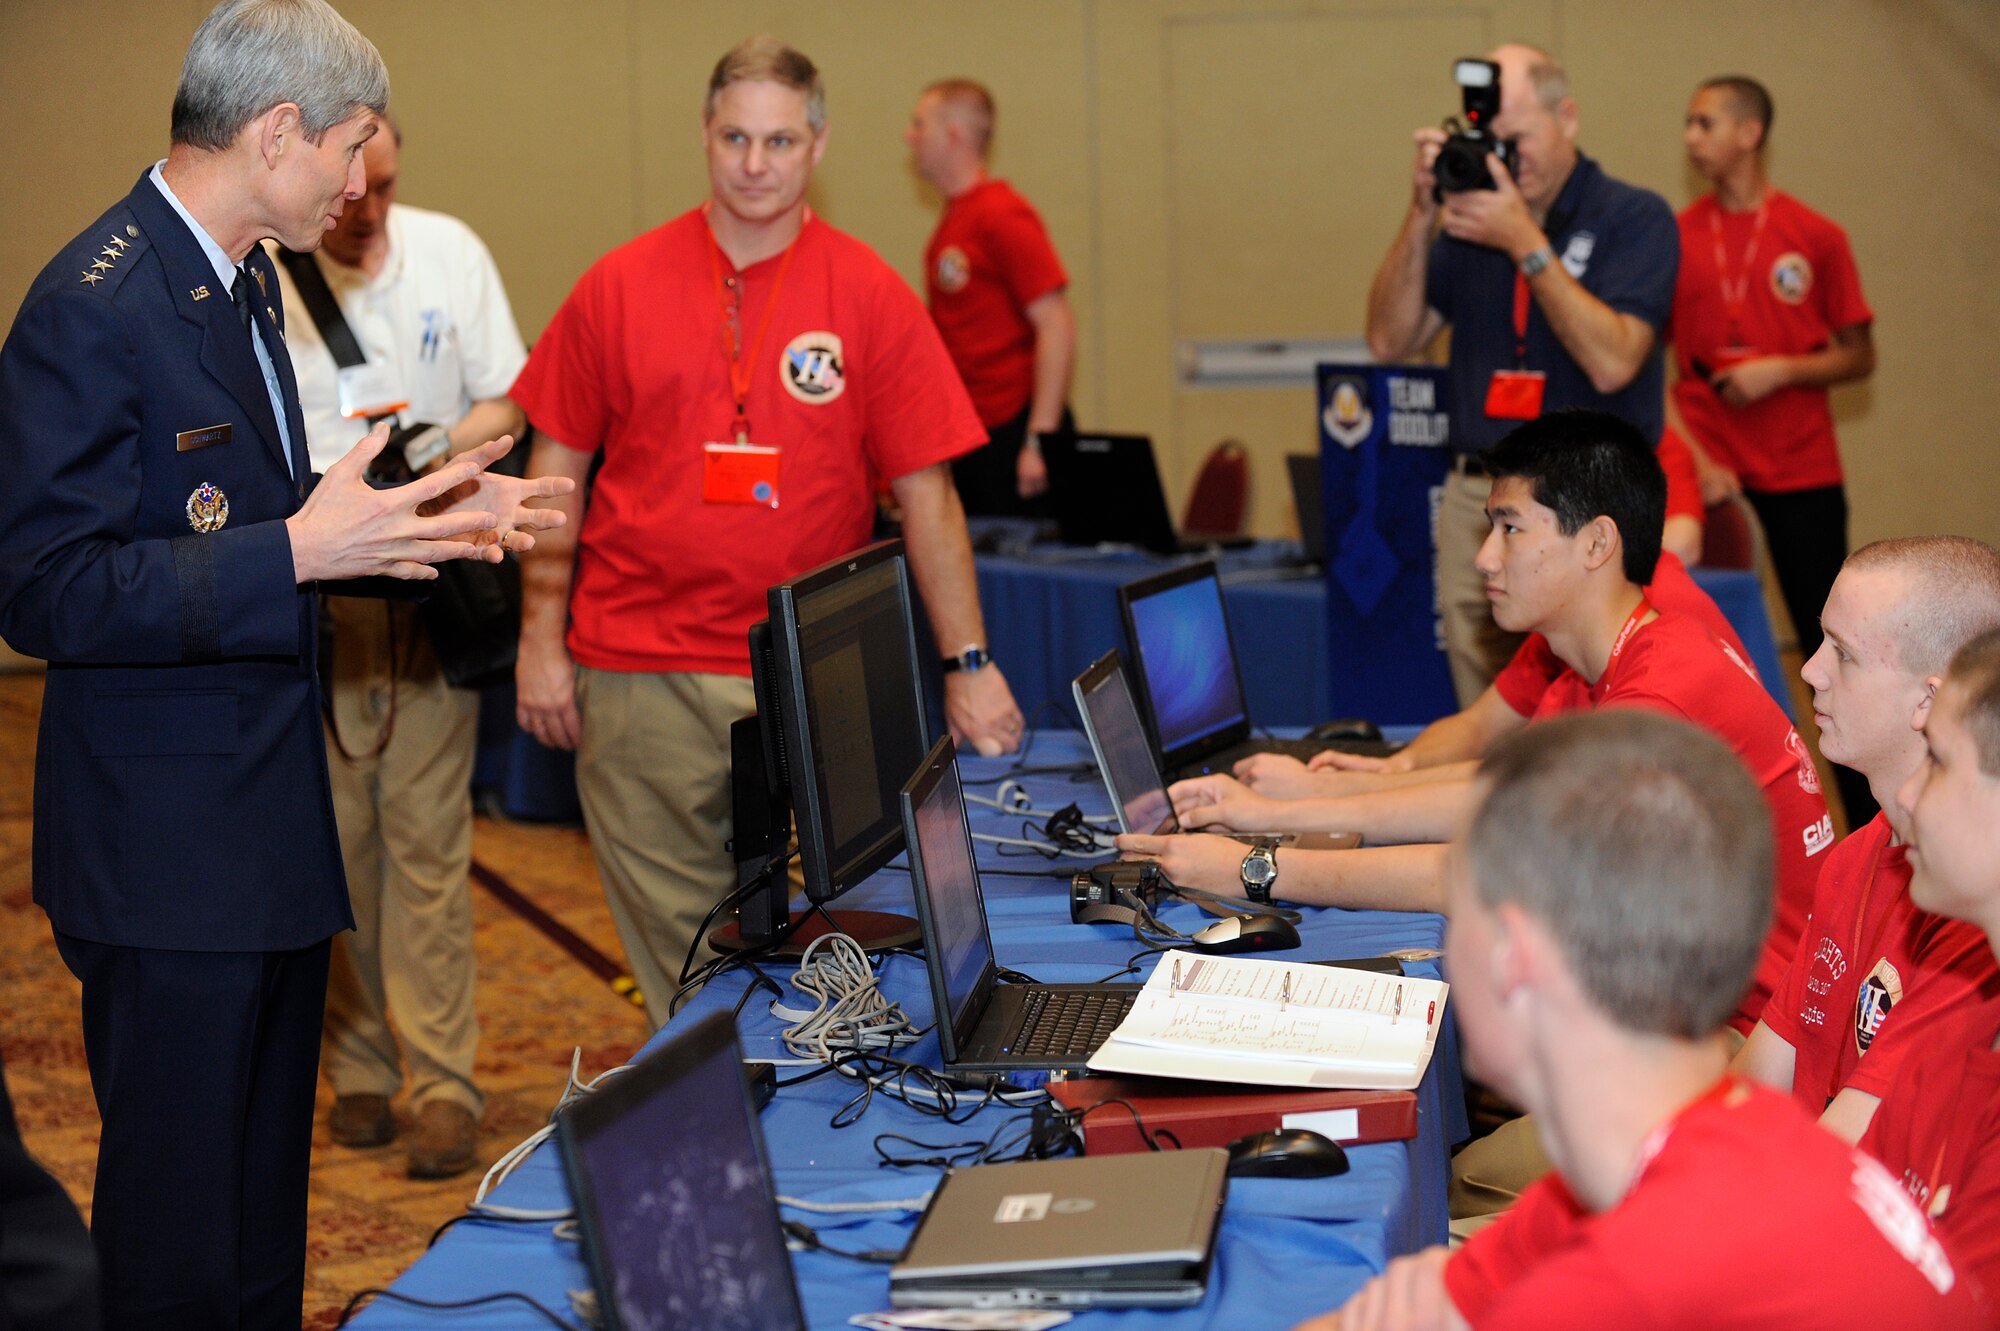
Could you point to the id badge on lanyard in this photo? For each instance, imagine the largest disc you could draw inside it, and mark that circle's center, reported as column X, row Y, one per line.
column 741, row 472
column 1516, row 394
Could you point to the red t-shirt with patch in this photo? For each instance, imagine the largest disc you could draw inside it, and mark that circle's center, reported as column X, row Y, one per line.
column 989, row 259
column 1801, row 287
column 849, row 382
column 1873, row 974
column 1676, row 665
column 1938, row 1130
column 1534, row 667
column 1742, row 1213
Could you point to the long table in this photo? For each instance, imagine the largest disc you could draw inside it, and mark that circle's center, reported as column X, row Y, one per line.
column 1288, row 1248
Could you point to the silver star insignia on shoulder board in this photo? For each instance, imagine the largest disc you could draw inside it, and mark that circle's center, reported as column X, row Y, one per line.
column 99, row 266
column 116, row 246
column 91, row 277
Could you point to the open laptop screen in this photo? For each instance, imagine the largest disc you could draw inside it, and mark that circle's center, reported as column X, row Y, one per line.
column 941, row 865
column 1123, row 753
column 674, row 1194
column 1182, row 642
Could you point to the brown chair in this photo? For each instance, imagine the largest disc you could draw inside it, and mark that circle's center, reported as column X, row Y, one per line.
column 1730, row 537
column 1221, row 495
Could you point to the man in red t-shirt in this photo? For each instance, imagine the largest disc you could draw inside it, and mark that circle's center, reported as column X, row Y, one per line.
column 1501, row 710
column 1566, row 489
column 1605, row 903
column 1000, row 298
column 1768, row 314
column 1873, row 974
column 742, row 356
column 1938, row 1127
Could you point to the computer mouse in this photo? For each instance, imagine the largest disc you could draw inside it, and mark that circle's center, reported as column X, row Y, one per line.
column 1286, row 1153
column 1347, row 727
column 1246, row 933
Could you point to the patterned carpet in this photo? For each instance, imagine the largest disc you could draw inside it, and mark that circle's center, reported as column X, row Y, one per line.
column 367, row 1220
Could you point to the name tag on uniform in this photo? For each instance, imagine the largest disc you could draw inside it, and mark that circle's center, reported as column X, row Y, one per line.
column 189, row 440
column 1515, row 395
column 739, row 474
column 370, row 390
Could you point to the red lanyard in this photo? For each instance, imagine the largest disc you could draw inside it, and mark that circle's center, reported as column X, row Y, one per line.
column 1639, row 612
column 1735, row 292
column 1520, row 320
column 740, row 366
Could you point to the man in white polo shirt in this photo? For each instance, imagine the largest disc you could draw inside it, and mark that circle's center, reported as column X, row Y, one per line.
column 420, row 294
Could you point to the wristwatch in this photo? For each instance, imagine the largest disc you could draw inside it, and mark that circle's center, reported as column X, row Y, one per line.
column 1535, row 260
column 972, row 658
column 1259, row 872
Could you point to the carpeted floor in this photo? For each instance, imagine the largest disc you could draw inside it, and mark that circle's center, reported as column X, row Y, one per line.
column 368, row 1221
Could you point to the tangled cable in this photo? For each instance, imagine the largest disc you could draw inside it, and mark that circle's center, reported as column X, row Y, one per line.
column 849, row 1011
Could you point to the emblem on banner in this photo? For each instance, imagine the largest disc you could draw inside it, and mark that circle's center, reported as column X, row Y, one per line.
column 1347, row 418
column 207, row 507
column 954, row 270
column 1791, row 277
column 813, row 369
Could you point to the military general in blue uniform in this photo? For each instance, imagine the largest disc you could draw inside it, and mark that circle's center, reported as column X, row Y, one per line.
column 161, row 539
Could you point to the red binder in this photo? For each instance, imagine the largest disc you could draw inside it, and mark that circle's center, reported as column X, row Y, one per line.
column 1203, row 1113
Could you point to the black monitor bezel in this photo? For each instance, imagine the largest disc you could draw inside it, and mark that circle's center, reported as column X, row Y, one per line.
column 1195, row 750
column 583, row 1120
column 953, row 1035
column 1095, row 676
column 823, row 880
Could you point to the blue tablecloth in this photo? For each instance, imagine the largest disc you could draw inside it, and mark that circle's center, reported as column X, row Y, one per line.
column 1288, row 1248
column 1051, row 612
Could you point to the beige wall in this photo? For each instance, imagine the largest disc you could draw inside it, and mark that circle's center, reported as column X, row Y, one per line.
column 1209, row 168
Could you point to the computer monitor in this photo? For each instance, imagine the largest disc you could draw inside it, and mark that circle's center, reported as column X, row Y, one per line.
column 1118, row 739
column 851, row 721
column 1186, row 665
column 673, row 1193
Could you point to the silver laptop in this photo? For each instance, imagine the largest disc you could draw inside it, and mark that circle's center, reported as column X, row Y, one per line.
column 1125, row 757
column 982, row 1025
column 1110, row 1231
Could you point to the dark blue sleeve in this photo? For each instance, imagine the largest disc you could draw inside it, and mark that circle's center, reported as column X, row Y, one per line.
column 1437, row 277
column 76, row 582
column 1634, row 267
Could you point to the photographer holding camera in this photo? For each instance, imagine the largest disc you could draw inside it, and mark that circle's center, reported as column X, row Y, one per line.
column 401, row 315
column 1556, row 280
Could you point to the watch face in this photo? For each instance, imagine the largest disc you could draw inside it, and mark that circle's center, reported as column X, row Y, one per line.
column 1259, row 869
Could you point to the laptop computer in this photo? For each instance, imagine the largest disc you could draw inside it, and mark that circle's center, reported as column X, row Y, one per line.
column 1308, row 503
column 1189, row 686
column 1105, row 1231
column 983, row 1025
column 673, row 1193
column 1125, row 757
column 1105, row 489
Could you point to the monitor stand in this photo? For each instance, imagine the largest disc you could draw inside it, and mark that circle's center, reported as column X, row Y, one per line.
column 875, row 930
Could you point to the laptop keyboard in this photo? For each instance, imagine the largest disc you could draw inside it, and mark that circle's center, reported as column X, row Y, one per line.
column 1070, row 1023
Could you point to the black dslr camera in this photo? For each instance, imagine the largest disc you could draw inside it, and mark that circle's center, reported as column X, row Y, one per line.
column 1461, row 163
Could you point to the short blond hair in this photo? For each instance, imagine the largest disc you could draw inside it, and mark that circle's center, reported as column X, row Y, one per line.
column 765, row 59
column 969, row 99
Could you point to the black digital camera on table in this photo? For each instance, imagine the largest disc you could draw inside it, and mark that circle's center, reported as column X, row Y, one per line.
column 1461, row 163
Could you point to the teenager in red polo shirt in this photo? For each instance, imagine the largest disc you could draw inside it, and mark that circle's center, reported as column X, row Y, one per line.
column 746, row 371
column 1768, row 313
column 1605, row 904
column 1566, row 488
column 1938, row 1127
column 1874, row 974
column 999, row 295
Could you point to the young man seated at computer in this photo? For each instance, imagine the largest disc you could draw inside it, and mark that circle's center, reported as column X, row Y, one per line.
column 1567, row 490
column 1606, row 906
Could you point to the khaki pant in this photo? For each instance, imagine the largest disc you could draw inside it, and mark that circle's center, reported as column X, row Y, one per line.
column 405, row 817
column 653, row 775
column 1475, row 647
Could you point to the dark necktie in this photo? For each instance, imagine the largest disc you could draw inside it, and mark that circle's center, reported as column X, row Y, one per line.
column 239, row 291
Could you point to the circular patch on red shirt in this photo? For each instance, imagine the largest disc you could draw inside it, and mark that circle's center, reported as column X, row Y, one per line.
column 1791, row 277
column 813, row 369
column 954, row 270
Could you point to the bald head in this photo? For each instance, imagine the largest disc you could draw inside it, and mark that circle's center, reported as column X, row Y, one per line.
column 1532, row 67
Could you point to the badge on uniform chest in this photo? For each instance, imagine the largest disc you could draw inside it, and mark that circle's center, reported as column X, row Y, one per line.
column 207, row 508
column 739, row 473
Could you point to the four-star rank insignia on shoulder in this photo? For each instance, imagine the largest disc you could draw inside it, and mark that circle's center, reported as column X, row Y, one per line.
column 108, row 257
column 207, row 508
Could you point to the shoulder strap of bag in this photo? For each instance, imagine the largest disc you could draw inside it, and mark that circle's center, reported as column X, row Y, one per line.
column 323, row 308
